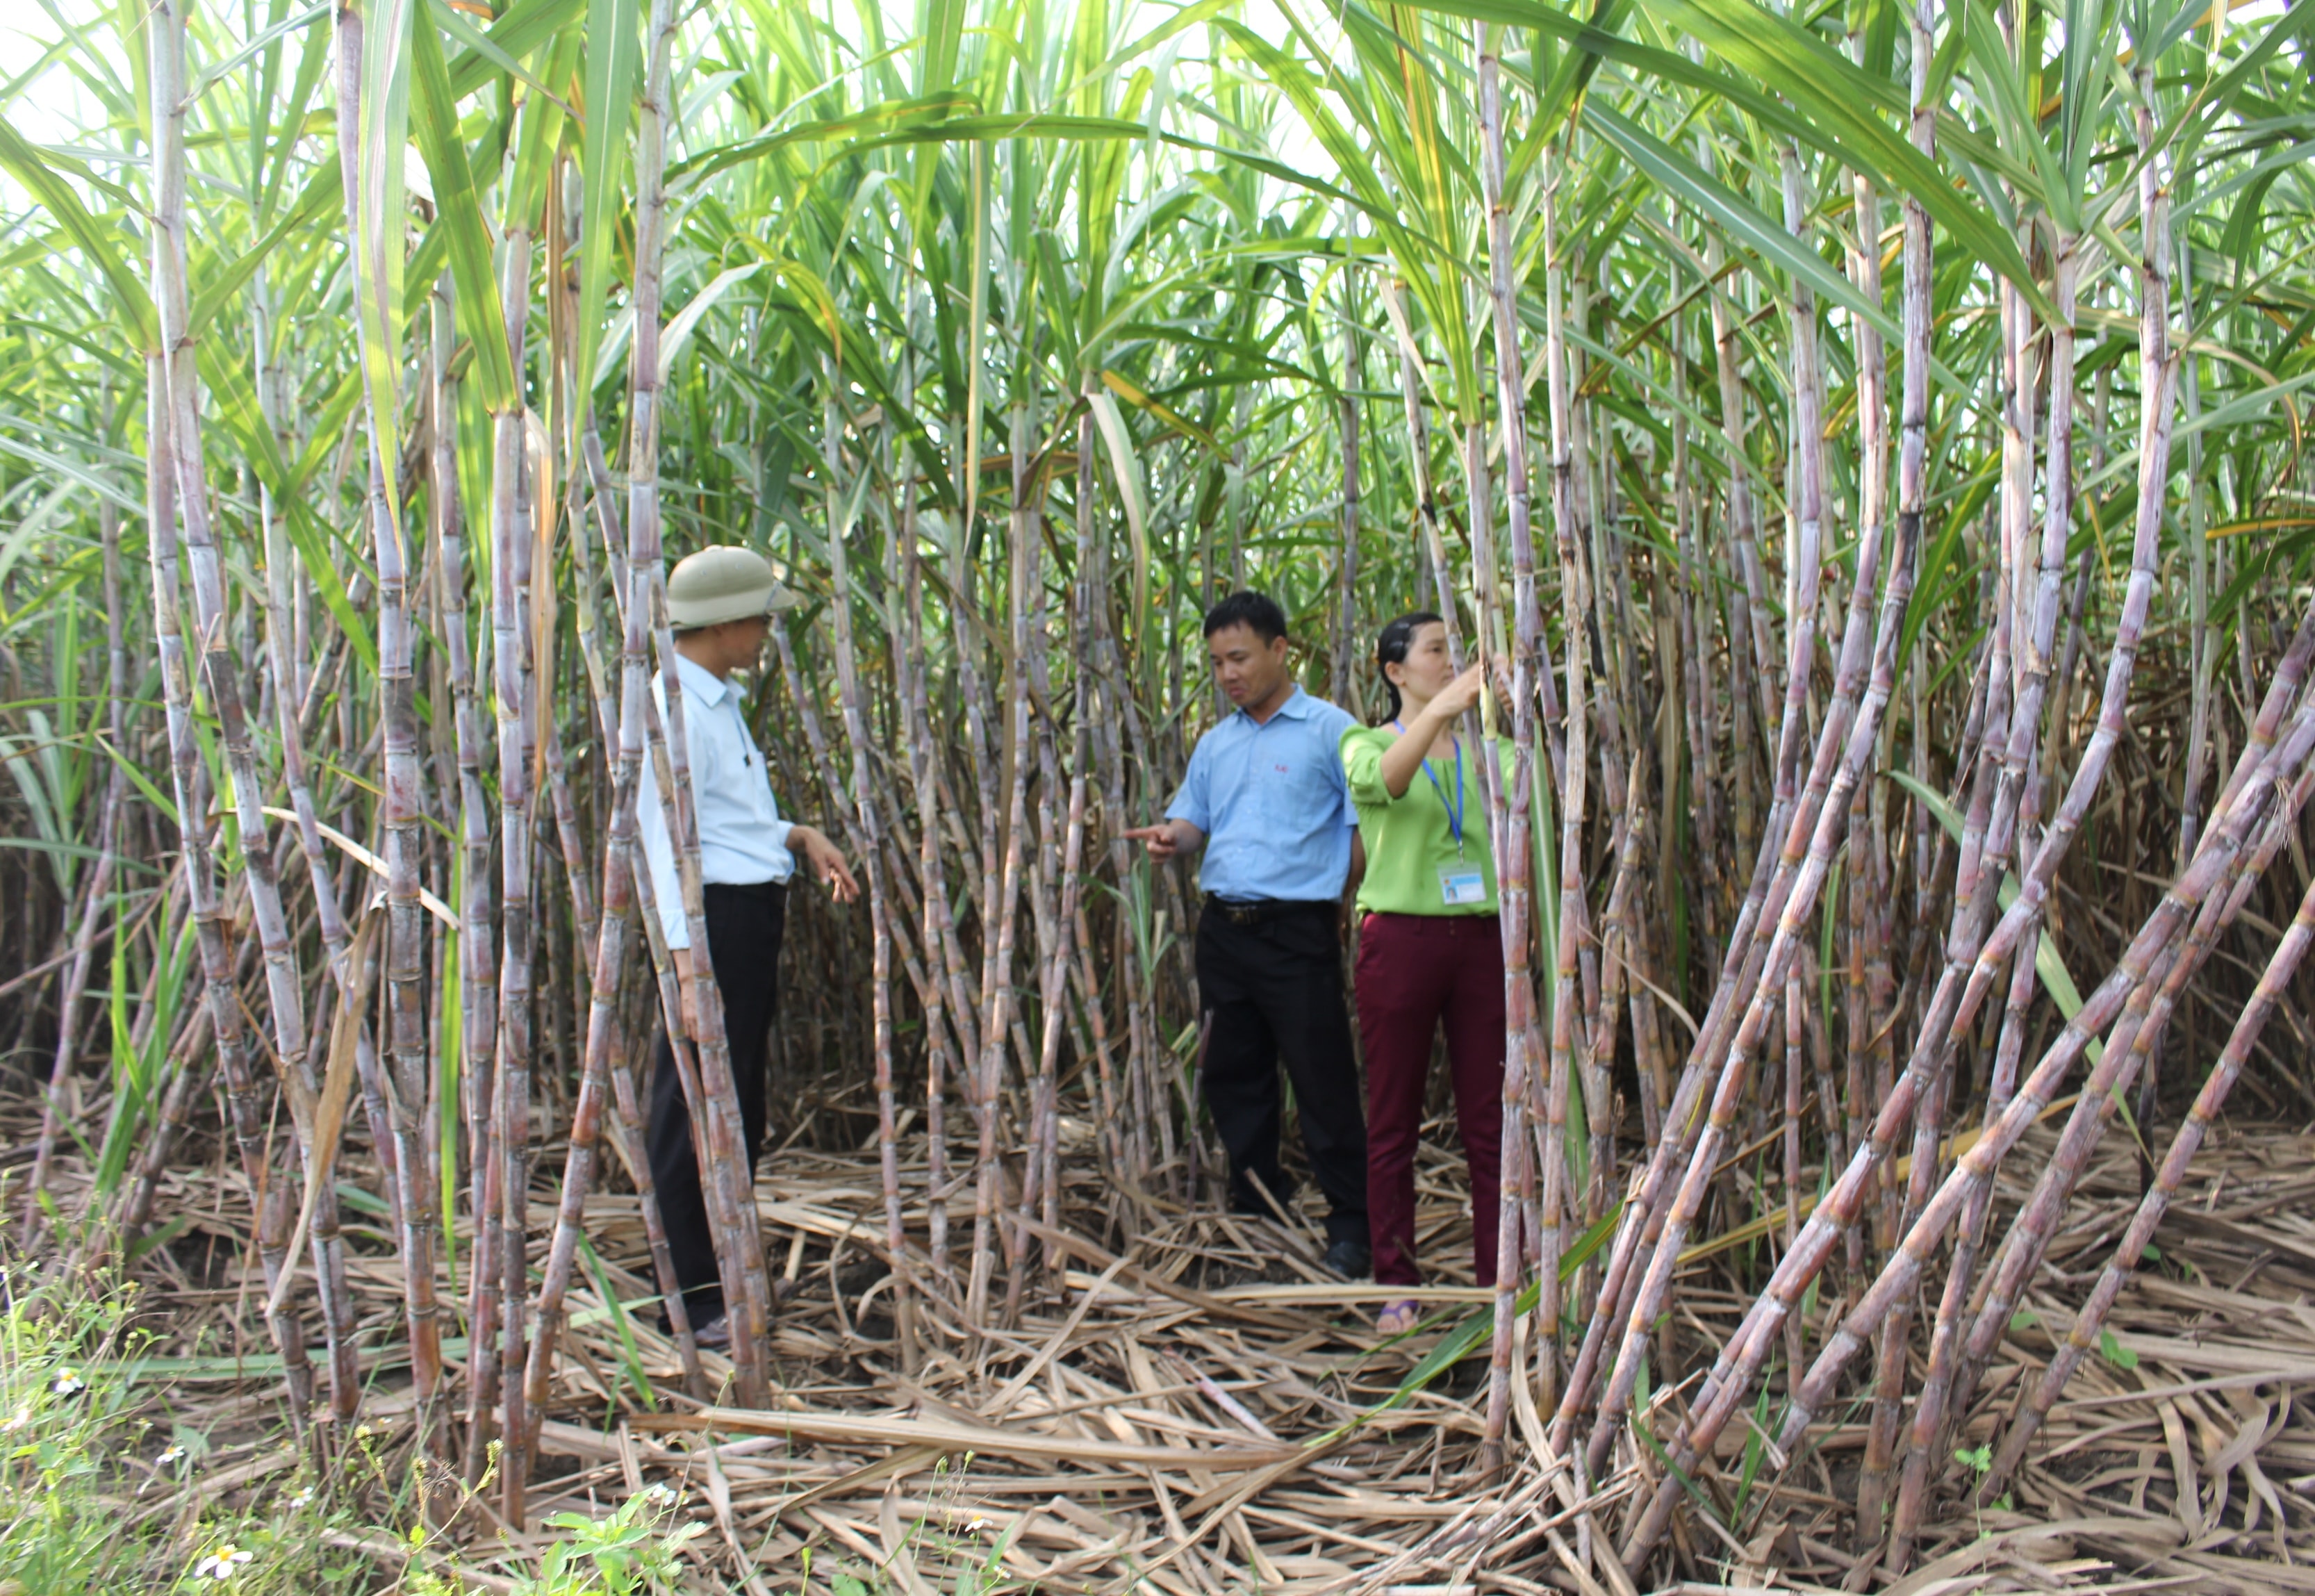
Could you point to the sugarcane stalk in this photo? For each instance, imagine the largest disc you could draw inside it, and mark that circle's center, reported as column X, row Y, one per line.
column 2273, row 983
column 1067, row 920
column 997, row 967
column 175, row 444
column 1811, row 824
column 1508, row 799
column 1084, row 684
column 617, row 719
column 2125, row 995
column 1048, row 889
column 1929, row 1421
column 511, row 659
column 603, row 1041
column 603, row 1060
column 715, row 1115
column 1947, row 1010
column 406, row 1034
column 2155, row 431
column 932, row 874
column 1341, row 681
column 2162, row 956
column 872, row 850
column 1418, row 462
column 478, row 980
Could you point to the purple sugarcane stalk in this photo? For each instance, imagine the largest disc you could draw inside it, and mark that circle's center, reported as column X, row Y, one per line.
column 1793, row 883
column 176, row 416
column 2274, row 982
column 1724, row 1390
column 1947, row 1014
column 1929, row 1411
column 1508, row 801
column 871, row 846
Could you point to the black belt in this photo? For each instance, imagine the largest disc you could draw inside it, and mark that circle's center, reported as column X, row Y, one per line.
column 1256, row 911
column 753, row 889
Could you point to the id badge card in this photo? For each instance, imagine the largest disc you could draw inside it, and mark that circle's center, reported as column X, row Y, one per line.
column 1459, row 884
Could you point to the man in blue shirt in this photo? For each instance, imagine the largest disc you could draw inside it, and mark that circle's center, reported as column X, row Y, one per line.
column 1266, row 795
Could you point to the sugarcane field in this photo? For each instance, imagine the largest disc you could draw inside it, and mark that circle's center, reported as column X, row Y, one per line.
column 1157, row 798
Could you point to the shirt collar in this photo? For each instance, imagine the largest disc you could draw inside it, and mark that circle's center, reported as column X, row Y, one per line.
column 699, row 682
column 1297, row 707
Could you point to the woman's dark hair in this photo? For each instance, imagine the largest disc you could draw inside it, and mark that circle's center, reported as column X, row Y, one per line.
column 1257, row 611
column 1391, row 646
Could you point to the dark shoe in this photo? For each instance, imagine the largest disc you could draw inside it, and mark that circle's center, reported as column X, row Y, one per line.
column 715, row 1334
column 1350, row 1259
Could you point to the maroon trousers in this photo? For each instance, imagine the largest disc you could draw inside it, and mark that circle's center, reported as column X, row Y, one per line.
column 1415, row 972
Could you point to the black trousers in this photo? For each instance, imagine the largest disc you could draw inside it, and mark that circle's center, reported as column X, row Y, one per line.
column 1272, row 991
column 744, row 927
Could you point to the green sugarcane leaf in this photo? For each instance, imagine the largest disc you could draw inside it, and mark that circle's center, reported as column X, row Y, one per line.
column 1838, row 96
column 945, row 110
column 75, row 851
column 378, row 222
column 1125, row 470
column 27, row 166
column 481, row 46
column 330, row 425
column 614, row 76
column 521, row 29
column 250, row 51
column 631, row 1354
column 542, row 116
column 70, row 471
column 465, row 233
column 323, row 192
column 1680, row 179
column 679, row 329
column 234, row 402
column 2048, row 964
column 313, row 540
column 138, row 779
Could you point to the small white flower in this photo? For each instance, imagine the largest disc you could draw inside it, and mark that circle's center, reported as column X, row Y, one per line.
column 304, row 1496
column 68, row 1384
column 175, row 1454
column 18, row 1420
column 221, row 1564
column 661, row 1493
column 976, row 1526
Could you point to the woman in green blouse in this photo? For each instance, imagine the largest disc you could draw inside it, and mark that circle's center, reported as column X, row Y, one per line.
column 1430, row 952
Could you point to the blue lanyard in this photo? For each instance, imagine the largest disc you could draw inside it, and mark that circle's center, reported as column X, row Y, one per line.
column 1456, row 809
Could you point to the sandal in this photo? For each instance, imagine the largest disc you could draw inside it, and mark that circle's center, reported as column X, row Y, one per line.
column 1399, row 1318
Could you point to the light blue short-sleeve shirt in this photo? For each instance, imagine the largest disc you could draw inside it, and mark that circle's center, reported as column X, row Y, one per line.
column 742, row 837
column 1271, row 799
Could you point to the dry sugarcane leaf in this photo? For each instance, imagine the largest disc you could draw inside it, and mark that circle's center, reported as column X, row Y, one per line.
column 987, row 1440
column 328, row 1113
column 903, row 1462
column 1574, row 1564
column 1054, row 1343
column 1214, row 1306
column 2182, row 1471
column 898, row 1562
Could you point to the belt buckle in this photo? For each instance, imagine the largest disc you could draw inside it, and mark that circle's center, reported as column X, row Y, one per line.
column 1240, row 914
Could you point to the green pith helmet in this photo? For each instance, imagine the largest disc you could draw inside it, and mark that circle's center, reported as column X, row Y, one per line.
column 724, row 582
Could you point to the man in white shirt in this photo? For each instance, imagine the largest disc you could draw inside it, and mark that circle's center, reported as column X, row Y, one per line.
column 718, row 601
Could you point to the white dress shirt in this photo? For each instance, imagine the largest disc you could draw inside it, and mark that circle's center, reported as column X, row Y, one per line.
column 742, row 841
